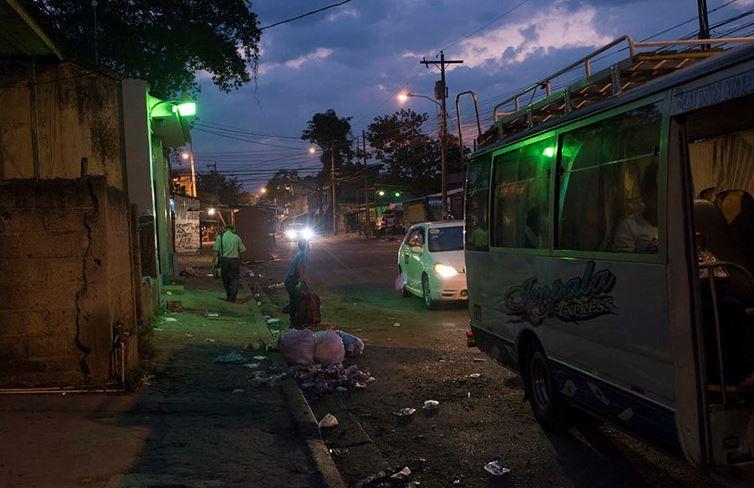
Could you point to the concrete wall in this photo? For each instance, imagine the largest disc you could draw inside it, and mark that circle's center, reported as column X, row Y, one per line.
column 41, row 103
column 65, row 279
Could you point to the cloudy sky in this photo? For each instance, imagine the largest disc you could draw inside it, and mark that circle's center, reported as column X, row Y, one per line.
column 357, row 57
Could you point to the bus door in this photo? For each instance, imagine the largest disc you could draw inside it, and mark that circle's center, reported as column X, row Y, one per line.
column 711, row 217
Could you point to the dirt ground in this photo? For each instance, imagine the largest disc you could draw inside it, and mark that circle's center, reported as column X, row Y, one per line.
column 417, row 355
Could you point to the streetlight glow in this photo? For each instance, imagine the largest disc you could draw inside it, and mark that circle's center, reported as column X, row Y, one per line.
column 403, row 97
column 211, row 211
column 186, row 109
column 184, row 156
column 312, row 150
column 263, row 190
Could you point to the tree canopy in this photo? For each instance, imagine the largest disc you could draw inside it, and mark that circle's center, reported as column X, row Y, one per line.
column 228, row 190
column 331, row 133
column 163, row 42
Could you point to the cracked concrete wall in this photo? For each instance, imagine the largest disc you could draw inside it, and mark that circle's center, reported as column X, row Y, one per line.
column 65, row 280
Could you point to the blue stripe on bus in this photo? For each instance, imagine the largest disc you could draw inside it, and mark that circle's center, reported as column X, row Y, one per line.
column 623, row 408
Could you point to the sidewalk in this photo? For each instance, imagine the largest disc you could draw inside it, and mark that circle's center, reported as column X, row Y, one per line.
column 198, row 424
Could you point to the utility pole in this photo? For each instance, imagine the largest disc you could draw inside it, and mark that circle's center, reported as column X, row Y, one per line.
column 703, row 22
column 366, row 185
column 332, row 189
column 441, row 93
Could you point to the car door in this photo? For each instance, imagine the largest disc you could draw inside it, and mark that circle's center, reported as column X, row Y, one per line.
column 405, row 255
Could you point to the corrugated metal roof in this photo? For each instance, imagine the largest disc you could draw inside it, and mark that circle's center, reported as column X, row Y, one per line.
column 21, row 35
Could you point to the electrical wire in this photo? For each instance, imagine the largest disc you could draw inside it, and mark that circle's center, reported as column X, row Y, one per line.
column 327, row 7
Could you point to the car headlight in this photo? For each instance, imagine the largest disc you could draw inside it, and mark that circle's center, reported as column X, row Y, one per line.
column 290, row 234
column 445, row 271
column 307, row 233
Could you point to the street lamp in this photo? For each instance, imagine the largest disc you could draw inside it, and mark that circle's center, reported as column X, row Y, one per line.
column 402, row 97
column 312, row 150
column 263, row 190
column 184, row 156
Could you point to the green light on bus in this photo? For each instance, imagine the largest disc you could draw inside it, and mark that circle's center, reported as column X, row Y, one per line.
column 548, row 152
column 397, row 194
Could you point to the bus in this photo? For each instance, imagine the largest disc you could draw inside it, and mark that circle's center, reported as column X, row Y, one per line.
column 610, row 245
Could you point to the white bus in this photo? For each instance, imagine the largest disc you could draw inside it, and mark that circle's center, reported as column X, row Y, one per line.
column 610, row 246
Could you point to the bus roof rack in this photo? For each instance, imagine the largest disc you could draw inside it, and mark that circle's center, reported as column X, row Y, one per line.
column 635, row 70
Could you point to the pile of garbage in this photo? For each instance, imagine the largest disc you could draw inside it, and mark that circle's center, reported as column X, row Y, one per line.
column 316, row 380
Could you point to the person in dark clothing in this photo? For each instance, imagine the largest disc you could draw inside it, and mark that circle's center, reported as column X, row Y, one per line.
column 295, row 278
column 229, row 248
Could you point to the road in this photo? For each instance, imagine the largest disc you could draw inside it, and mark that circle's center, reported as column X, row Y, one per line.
column 417, row 355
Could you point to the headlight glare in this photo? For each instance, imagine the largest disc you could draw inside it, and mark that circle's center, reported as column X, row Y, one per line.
column 445, row 271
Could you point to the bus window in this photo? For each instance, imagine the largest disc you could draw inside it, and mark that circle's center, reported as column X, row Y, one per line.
column 477, row 196
column 609, row 185
column 521, row 196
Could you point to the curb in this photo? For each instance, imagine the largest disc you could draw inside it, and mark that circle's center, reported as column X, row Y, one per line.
column 307, row 426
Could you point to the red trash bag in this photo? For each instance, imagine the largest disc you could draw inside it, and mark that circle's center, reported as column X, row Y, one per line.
column 297, row 347
column 308, row 308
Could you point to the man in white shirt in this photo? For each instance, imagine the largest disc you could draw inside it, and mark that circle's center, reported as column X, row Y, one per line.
column 229, row 248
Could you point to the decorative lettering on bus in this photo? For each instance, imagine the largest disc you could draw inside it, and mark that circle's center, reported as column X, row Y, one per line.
column 580, row 298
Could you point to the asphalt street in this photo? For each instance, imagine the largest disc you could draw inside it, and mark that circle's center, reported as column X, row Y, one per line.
column 418, row 355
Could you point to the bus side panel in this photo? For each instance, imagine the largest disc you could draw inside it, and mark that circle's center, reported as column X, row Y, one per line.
column 605, row 318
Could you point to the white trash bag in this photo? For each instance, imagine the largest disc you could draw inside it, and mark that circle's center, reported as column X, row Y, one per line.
column 328, row 348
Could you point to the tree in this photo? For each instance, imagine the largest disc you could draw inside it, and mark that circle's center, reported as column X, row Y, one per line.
column 227, row 190
column 163, row 42
column 330, row 133
column 411, row 156
column 280, row 188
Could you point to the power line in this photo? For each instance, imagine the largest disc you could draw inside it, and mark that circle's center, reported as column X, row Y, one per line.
column 305, row 14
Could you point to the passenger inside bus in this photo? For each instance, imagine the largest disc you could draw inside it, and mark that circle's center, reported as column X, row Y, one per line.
column 723, row 173
column 638, row 232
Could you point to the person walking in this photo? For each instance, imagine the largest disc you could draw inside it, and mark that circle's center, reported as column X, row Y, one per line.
column 295, row 278
column 229, row 248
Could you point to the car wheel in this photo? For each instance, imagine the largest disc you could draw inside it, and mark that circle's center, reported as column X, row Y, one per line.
column 404, row 291
column 426, row 294
column 546, row 404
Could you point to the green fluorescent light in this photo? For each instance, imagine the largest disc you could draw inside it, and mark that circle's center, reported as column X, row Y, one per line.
column 397, row 194
column 549, row 152
column 185, row 109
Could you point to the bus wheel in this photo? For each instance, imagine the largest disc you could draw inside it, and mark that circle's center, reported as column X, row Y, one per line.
column 426, row 294
column 404, row 291
column 546, row 404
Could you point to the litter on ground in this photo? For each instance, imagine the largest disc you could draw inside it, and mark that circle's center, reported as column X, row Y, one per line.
column 328, row 421
column 277, row 285
column 316, row 380
column 232, row 358
column 405, row 412
column 209, row 340
column 251, row 365
column 238, row 390
column 396, row 324
column 474, row 375
column 402, row 474
column 260, row 358
column 211, row 314
column 495, row 468
column 431, row 406
column 170, row 319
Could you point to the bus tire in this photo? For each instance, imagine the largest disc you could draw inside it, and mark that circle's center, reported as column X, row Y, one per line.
column 427, row 294
column 404, row 291
column 548, row 407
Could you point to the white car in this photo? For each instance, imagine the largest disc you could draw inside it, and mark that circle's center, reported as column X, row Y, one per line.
column 431, row 262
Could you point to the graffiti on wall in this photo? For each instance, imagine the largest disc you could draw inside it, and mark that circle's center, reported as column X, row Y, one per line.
column 187, row 236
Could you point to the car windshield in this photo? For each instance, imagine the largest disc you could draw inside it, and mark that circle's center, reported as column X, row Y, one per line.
column 446, row 239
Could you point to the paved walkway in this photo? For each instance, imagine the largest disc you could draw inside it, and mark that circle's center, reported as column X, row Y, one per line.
column 198, row 423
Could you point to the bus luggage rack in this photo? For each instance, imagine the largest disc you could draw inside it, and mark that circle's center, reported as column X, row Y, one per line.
column 636, row 70
column 710, row 271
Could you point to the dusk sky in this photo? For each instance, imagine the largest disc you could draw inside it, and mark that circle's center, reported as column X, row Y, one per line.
column 356, row 58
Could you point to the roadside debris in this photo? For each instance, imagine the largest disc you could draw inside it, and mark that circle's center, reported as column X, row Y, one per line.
column 238, row 390
column 297, row 347
column 328, row 421
column 276, row 285
column 211, row 314
column 496, row 468
column 328, row 348
column 170, row 319
column 405, row 412
column 316, row 380
column 260, row 358
column 480, row 360
column 396, row 324
column 431, row 407
column 232, row 358
column 402, row 474
column 209, row 340
column 188, row 271
column 352, row 344
column 272, row 320
column 251, row 365
column 475, row 375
